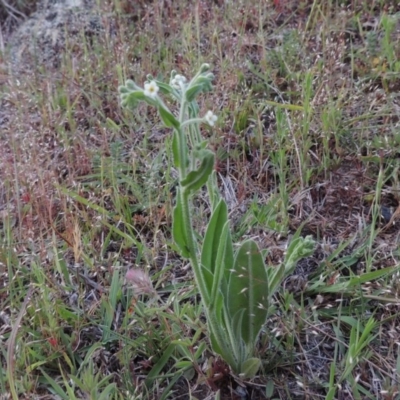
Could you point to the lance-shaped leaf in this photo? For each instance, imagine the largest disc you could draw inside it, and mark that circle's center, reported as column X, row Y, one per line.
column 178, row 229
column 212, row 242
column 131, row 98
column 236, row 322
column 197, row 178
column 168, row 118
column 168, row 90
column 219, row 333
column 223, row 263
column 248, row 291
column 193, row 91
column 275, row 277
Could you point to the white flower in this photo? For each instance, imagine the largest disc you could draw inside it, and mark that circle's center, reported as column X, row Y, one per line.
column 210, row 118
column 151, row 89
column 178, row 81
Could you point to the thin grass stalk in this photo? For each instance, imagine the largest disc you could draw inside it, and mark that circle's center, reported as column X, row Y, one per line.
column 11, row 345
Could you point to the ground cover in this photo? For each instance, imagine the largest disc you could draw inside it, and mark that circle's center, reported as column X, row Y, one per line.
column 307, row 98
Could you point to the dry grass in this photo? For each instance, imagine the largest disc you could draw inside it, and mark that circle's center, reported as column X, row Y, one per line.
column 86, row 192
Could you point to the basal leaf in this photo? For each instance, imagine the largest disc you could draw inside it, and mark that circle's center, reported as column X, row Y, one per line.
column 248, row 290
column 219, row 333
column 223, row 263
column 211, row 239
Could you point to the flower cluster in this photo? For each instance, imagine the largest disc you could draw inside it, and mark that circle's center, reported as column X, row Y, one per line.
column 178, row 82
column 178, row 88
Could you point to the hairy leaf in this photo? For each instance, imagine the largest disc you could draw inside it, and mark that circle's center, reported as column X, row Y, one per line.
column 248, row 290
column 168, row 118
column 211, row 240
column 198, row 178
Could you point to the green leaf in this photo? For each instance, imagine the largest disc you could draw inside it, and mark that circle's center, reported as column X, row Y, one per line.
column 56, row 387
column 131, row 86
column 347, row 284
column 110, row 303
column 222, row 341
column 215, row 345
column 165, row 88
column 360, row 337
column 223, row 348
column 275, row 277
column 211, row 240
column 178, row 228
column 217, row 313
column 205, row 81
column 236, row 322
column 223, row 263
column 200, row 350
column 193, row 109
column 250, row 368
column 193, row 91
column 123, row 89
column 299, row 248
column 196, row 179
column 108, row 390
column 248, row 290
column 269, row 389
column 132, row 98
column 168, row 118
column 204, row 68
column 157, row 368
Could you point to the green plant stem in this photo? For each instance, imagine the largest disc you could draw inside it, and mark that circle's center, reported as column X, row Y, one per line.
column 187, row 220
column 182, row 143
column 212, row 319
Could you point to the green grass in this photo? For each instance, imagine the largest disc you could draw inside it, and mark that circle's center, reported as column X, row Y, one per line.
column 307, row 136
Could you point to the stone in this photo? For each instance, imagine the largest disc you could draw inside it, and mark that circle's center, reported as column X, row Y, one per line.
column 56, row 26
